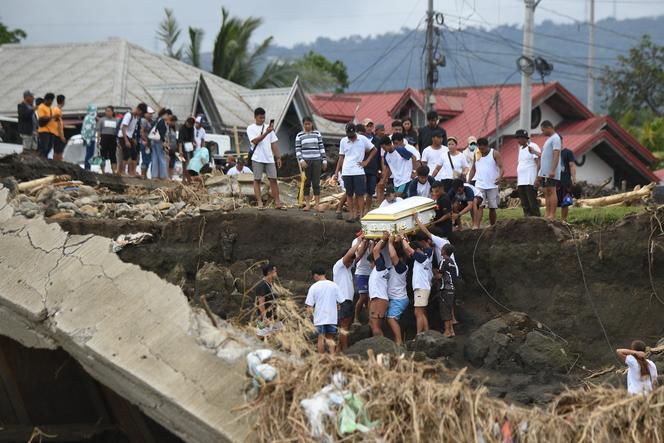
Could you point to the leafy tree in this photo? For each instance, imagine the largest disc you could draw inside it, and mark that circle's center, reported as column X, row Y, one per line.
column 169, row 33
column 193, row 51
column 11, row 35
column 636, row 81
column 648, row 130
column 318, row 74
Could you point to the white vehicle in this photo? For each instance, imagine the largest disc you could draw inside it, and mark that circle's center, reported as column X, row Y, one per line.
column 10, row 148
column 223, row 143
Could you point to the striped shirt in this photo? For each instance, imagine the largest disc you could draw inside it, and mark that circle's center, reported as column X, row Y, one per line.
column 309, row 146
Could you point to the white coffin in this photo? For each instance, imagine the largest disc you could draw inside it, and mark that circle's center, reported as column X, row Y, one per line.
column 398, row 217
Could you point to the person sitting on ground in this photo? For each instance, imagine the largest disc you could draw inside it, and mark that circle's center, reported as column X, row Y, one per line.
column 397, row 283
column 390, row 197
column 449, row 272
column 378, row 299
column 310, row 152
column 342, row 276
column 421, row 185
column 526, row 173
column 641, row 373
column 265, row 156
column 398, row 162
column 443, row 223
column 265, row 301
column 230, row 163
column 195, row 166
column 462, row 196
column 487, row 170
column 323, row 300
column 239, row 168
column 362, row 272
column 421, row 252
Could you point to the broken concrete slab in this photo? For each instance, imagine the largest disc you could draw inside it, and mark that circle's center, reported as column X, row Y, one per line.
column 127, row 328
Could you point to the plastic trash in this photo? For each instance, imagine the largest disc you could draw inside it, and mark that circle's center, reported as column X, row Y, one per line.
column 259, row 371
column 123, row 240
column 353, row 417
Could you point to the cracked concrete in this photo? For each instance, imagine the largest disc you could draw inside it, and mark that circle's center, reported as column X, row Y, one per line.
column 132, row 331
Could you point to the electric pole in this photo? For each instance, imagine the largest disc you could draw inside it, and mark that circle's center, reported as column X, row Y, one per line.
column 430, row 67
column 527, row 63
column 591, row 58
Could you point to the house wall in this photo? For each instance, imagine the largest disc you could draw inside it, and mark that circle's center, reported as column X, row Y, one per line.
column 595, row 170
column 547, row 114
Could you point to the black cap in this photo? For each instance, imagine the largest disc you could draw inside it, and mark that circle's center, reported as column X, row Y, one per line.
column 521, row 133
column 350, row 129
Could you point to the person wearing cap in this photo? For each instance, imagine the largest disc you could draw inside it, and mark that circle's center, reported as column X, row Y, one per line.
column 199, row 133
column 352, row 161
column 239, row 167
column 424, row 137
column 89, row 133
column 398, row 162
column 368, row 128
column 145, row 148
column 310, row 153
column 27, row 126
column 526, row 171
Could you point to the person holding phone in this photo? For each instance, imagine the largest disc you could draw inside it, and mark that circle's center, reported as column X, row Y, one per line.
column 265, row 153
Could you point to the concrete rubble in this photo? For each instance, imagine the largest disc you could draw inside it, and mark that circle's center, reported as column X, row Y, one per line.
column 129, row 329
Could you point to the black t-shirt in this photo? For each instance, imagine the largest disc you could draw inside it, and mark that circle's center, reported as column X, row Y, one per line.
column 264, row 289
column 373, row 166
column 424, row 138
column 566, row 157
column 443, row 207
column 185, row 135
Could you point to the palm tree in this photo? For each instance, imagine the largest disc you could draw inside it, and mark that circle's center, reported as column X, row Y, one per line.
column 233, row 58
column 193, row 51
column 169, row 32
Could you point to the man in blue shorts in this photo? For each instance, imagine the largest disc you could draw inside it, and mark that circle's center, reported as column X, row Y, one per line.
column 323, row 300
column 397, row 288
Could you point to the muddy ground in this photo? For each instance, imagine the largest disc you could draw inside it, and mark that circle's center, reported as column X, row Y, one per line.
column 552, row 339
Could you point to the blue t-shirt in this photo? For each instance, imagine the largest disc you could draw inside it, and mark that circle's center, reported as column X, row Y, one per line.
column 201, row 157
column 553, row 143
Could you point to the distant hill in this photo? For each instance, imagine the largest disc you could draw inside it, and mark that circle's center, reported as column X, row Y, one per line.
column 477, row 56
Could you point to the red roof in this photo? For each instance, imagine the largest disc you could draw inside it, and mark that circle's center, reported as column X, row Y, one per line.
column 660, row 174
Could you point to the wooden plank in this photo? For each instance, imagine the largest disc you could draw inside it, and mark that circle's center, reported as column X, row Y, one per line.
column 11, row 387
column 128, row 417
column 95, row 396
column 68, row 432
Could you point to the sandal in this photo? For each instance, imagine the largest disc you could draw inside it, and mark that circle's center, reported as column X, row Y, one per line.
column 280, row 208
column 261, row 208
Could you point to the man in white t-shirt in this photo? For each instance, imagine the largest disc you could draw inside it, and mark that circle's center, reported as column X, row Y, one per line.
column 199, row 132
column 526, row 173
column 322, row 301
column 398, row 162
column 342, row 276
column 390, row 197
column 239, row 168
column 641, row 372
column 264, row 154
column 352, row 151
column 435, row 156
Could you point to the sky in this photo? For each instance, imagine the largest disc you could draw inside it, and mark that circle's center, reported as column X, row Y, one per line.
column 288, row 21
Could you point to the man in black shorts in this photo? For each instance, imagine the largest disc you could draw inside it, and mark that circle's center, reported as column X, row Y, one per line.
column 127, row 140
column 567, row 179
column 107, row 142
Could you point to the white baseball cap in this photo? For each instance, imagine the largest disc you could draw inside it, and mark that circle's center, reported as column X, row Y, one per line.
column 150, row 110
column 199, row 119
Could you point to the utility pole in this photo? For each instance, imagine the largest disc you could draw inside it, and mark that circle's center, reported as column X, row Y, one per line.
column 591, row 58
column 527, row 56
column 430, row 66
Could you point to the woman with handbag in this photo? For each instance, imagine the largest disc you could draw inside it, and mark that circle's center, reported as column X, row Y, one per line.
column 159, row 151
column 460, row 166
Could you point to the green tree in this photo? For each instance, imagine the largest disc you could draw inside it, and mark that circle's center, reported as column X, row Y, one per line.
column 318, row 74
column 169, row 33
column 11, row 35
column 636, row 81
column 193, row 51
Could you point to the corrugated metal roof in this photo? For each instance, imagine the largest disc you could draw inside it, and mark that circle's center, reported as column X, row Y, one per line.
column 660, row 174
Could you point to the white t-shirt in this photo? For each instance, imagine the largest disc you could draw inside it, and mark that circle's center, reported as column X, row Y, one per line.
column 323, row 296
column 459, row 162
column 438, row 243
column 353, row 153
column 378, row 280
column 400, row 167
column 423, row 190
column 234, row 171
column 129, row 121
column 199, row 136
column 414, row 151
column 434, row 157
column 362, row 265
column 398, row 282
column 344, row 279
column 387, row 203
column 263, row 150
column 636, row 384
column 526, row 170
column 422, row 272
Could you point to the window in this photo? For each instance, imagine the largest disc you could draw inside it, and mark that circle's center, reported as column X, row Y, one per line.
column 535, row 118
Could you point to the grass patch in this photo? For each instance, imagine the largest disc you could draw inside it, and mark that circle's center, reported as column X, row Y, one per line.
column 577, row 216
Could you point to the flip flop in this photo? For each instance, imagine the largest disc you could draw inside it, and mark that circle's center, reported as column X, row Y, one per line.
column 280, row 208
column 261, row 208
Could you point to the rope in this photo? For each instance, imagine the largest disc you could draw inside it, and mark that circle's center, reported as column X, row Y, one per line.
column 589, row 296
